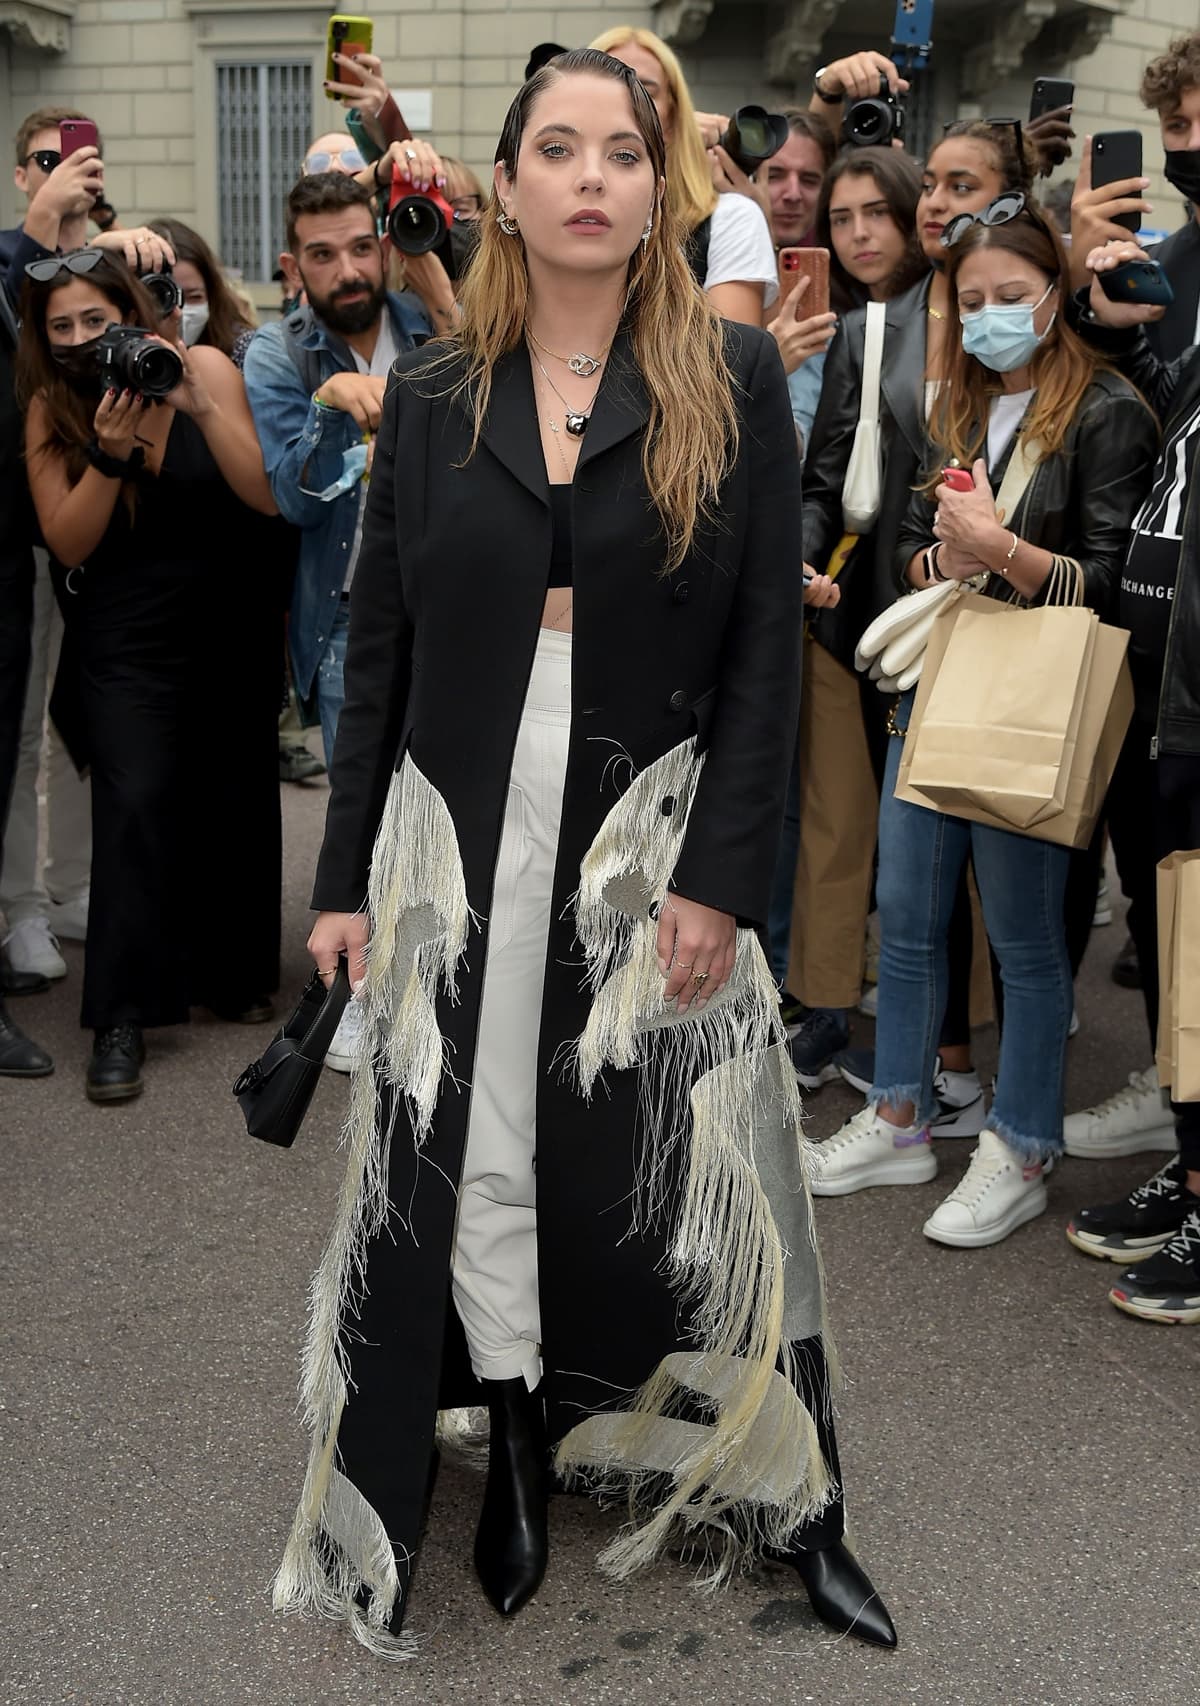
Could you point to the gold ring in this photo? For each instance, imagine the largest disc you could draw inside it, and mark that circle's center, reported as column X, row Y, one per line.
column 329, row 973
column 699, row 978
column 685, row 965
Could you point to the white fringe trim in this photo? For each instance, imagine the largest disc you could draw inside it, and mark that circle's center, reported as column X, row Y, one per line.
column 420, row 921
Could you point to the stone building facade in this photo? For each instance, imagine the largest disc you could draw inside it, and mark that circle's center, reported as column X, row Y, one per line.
column 204, row 105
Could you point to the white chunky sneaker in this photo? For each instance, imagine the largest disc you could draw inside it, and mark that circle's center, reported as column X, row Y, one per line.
column 1135, row 1118
column 31, row 948
column 869, row 1150
column 346, row 1046
column 997, row 1193
column 69, row 919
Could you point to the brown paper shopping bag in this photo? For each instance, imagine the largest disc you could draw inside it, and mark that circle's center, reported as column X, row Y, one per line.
column 1002, row 718
column 1178, row 1054
column 1091, row 746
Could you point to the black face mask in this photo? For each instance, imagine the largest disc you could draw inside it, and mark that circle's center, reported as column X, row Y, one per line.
column 78, row 364
column 1181, row 168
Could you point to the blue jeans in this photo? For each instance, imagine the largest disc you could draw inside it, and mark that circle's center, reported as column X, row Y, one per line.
column 1022, row 883
column 331, row 692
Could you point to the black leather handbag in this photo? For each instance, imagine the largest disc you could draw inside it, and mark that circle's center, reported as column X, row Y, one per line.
column 274, row 1092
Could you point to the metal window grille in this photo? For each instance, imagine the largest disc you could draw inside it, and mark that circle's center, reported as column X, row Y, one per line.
column 264, row 112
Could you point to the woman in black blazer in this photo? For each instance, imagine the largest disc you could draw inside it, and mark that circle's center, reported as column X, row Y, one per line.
column 556, row 794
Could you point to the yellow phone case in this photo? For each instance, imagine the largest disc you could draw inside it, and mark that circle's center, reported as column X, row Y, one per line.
column 344, row 29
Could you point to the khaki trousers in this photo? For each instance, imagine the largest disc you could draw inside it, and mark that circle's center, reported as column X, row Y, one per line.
column 839, row 816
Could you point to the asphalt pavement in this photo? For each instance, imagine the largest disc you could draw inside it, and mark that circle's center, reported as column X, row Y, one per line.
column 1013, row 1446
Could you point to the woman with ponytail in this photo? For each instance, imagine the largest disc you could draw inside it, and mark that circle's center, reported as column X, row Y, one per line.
column 557, row 789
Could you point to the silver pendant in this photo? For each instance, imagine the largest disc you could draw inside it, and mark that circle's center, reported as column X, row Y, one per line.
column 576, row 424
column 583, row 365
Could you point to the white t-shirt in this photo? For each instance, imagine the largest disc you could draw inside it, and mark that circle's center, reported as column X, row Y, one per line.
column 1005, row 414
column 379, row 366
column 740, row 246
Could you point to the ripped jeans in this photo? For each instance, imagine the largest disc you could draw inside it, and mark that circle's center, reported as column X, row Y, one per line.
column 1022, row 883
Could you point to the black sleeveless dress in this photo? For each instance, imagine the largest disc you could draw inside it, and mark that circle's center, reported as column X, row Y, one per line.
column 174, row 625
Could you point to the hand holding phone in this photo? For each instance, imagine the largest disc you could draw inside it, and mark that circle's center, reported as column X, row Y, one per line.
column 958, row 479
column 76, row 133
column 1117, row 159
column 348, row 36
column 1139, row 281
column 795, row 264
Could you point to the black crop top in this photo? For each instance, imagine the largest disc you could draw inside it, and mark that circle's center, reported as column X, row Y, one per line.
column 560, row 544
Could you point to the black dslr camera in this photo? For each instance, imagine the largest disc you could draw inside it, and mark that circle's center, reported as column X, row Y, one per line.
column 130, row 359
column 874, row 121
column 754, row 135
column 164, row 291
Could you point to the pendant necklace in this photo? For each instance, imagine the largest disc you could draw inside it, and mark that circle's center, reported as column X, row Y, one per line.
column 580, row 363
column 576, row 419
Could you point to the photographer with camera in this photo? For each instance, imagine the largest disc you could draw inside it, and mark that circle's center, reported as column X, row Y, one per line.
column 142, row 461
column 730, row 249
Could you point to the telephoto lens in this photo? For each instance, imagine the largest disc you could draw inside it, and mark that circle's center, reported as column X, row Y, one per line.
column 163, row 290
column 131, row 359
column 754, row 135
column 418, row 223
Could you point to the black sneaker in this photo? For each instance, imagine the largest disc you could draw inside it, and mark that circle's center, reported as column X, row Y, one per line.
column 297, row 763
column 1140, row 1224
column 19, row 1056
column 114, row 1073
column 814, row 1045
column 792, row 1011
column 1167, row 1287
column 1126, row 969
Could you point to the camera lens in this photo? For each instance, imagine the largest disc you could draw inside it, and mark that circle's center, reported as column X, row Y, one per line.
column 868, row 123
column 155, row 369
column 754, row 136
column 415, row 225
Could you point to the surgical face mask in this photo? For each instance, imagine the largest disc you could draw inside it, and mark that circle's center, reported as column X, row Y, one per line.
column 1002, row 335
column 78, row 363
column 1181, row 169
column 194, row 318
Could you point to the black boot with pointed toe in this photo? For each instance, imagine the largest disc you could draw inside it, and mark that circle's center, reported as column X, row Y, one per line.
column 842, row 1594
column 511, row 1542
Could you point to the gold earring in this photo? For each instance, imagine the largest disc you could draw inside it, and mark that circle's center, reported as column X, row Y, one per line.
column 509, row 226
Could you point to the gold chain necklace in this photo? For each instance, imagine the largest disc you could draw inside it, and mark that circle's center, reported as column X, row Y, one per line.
column 580, row 363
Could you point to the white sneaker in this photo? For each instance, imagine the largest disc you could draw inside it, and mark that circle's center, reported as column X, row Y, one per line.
column 997, row 1193
column 31, row 948
column 68, row 919
column 1135, row 1118
column 347, row 1042
column 1104, row 913
column 869, row 1150
column 1073, row 1027
column 868, row 1001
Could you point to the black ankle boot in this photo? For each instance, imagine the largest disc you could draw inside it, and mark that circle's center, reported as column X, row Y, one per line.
column 511, row 1543
column 114, row 1073
column 841, row 1593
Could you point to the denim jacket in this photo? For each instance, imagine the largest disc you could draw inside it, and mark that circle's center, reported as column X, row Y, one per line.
column 302, row 448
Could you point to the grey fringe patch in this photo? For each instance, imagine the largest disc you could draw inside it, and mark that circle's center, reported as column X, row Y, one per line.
column 705, row 1082
column 338, row 1548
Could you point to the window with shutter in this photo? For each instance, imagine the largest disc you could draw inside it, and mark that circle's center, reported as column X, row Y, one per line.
column 264, row 112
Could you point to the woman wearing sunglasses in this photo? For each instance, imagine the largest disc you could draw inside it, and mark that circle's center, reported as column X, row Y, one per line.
column 1018, row 382
column 140, row 505
column 974, row 163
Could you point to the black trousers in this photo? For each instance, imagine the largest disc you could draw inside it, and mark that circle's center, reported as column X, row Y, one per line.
column 1154, row 809
column 177, row 700
column 16, row 621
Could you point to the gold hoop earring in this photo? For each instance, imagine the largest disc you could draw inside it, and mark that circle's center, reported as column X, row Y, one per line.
column 510, row 227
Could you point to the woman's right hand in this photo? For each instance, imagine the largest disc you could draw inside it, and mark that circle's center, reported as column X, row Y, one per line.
column 799, row 340
column 337, row 933
column 116, row 423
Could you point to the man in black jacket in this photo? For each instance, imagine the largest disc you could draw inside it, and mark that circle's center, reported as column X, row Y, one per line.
column 1154, row 803
column 19, row 1057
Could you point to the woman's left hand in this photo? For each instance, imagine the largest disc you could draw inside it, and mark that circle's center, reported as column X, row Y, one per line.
column 729, row 179
column 694, row 941
column 143, row 250
column 365, row 88
column 821, row 593
column 967, row 520
column 190, row 396
column 413, row 160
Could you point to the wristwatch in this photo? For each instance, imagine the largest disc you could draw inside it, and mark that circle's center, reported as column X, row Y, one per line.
column 829, row 100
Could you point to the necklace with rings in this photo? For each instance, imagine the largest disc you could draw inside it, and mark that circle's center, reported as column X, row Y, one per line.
column 580, row 363
column 575, row 420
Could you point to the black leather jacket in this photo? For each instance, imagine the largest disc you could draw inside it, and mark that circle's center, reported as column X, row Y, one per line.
column 867, row 582
column 1080, row 502
column 1173, row 391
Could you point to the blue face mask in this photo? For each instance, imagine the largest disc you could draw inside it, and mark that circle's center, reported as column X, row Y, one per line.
column 1001, row 336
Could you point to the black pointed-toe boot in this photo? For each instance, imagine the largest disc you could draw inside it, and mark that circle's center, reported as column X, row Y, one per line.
column 842, row 1593
column 511, row 1542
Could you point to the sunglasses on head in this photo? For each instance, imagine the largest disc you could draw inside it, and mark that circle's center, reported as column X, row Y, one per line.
column 322, row 161
column 79, row 262
column 998, row 212
column 45, row 159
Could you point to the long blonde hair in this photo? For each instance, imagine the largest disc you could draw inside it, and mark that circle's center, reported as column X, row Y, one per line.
column 678, row 342
column 690, row 191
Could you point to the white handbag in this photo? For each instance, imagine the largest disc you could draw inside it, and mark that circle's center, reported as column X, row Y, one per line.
column 862, row 488
column 892, row 649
